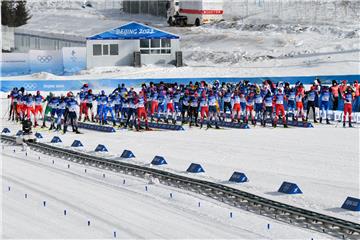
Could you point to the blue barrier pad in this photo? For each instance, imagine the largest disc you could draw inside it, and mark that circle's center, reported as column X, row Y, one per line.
column 289, row 188
column 238, row 177
column 56, row 139
column 127, row 154
column 195, row 168
column 95, row 127
column 163, row 126
column 231, row 125
column 299, row 124
column 352, row 204
column 158, row 160
column 38, row 135
column 5, row 130
column 20, row 133
column 77, row 143
column 101, row 148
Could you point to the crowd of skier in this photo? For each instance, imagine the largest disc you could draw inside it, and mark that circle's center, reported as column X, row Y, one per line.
column 195, row 104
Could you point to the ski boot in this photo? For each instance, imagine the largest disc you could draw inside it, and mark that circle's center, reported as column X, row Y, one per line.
column 344, row 124
column 52, row 127
column 114, row 123
column 217, row 126
column 285, row 125
column 350, row 125
column 320, row 120
column 315, row 121
column 58, row 127
column 166, row 121
column 327, row 121
column 65, row 129
column 174, row 121
column 208, row 125
column 201, row 125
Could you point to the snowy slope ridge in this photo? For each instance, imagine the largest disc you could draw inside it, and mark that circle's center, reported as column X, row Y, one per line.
column 114, row 207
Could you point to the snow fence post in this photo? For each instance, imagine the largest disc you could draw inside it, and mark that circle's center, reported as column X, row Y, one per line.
column 198, row 204
column 124, row 181
column 64, row 212
column 88, row 222
column 44, row 203
column 171, row 195
column 114, row 234
column 268, row 226
column 9, row 188
column 231, row 215
column 146, row 188
column 25, row 195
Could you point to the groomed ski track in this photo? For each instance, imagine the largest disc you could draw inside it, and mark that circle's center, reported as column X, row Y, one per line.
column 281, row 212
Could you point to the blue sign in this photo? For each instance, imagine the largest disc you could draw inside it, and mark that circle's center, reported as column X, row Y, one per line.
column 133, row 30
column 67, row 85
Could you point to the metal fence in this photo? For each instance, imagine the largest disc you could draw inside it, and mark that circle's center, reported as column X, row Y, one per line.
column 150, row 7
column 293, row 11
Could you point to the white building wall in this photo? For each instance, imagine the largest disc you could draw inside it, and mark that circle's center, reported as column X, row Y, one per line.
column 7, row 38
column 126, row 51
column 162, row 58
column 125, row 57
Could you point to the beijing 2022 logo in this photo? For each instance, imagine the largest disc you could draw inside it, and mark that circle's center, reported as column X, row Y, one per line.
column 44, row 59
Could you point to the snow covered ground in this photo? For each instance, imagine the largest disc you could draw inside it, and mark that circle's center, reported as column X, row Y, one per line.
column 111, row 206
column 323, row 161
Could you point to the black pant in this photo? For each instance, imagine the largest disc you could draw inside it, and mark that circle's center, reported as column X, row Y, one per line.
column 193, row 112
column 227, row 105
column 335, row 103
column 267, row 110
column 184, row 109
column 310, row 104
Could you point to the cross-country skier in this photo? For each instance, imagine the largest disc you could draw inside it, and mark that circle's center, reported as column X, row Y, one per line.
column 71, row 105
column 311, row 96
column 279, row 107
column 324, row 104
column 348, row 98
column 38, row 99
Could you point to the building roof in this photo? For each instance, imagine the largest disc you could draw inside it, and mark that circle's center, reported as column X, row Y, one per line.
column 133, row 30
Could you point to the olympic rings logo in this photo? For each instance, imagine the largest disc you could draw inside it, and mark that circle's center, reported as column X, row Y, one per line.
column 30, row 86
column 44, row 59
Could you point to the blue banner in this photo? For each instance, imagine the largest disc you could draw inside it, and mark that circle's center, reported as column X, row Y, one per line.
column 66, row 85
column 133, row 30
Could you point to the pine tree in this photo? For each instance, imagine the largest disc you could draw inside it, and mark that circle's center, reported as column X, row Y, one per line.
column 5, row 13
column 21, row 14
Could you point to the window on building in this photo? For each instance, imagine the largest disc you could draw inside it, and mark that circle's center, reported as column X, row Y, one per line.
column 144, row 43
column 155, row 43
column 155, row 46
column 97, row 49
column 114, row 49
column 165, row 43
column 105, row 50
